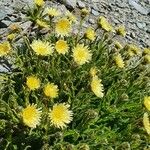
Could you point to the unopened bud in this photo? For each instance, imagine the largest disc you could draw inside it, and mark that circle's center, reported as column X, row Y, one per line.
column 84, row 12
column 70, row 147
column 84, row 147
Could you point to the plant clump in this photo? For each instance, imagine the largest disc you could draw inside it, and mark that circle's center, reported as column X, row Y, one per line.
column 73, row 91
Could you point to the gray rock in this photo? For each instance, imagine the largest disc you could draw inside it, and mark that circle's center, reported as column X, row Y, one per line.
column 69, row 3
column 3, row 69
column 2, row 31
column 92, row 21
column 95, row 7
column 80, row 4
column 62, row 8
column 26, row 25
column 95, row 1
column 95, row 13
column 121, row 4
column 141, row 25
column 2, row 25
column 5, row 23
column 2, row 15
column 20, row 4
column 148, row 29
column 85, row 25
column 132, row 35
column 139, row 8
column 116, row 21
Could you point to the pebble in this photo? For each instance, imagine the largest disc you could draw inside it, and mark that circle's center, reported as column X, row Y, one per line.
column 94, row 12
column 92, row 21
column 132, row 35
column 81, row 4
column 141, row 25
column 2, row 69
column 116, row 21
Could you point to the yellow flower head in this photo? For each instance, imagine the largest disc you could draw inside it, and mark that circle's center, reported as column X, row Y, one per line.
column 97, row 86
column 146, row 123
column 133, row 50
column 60, row 115
column 51, row 90
column 103, row 23
column 11, row 36
column 147, row 102
column 71, row 17
column 31, row 116
column 39, row 2
column 52, row 12
column 63, row 27
column 90, row 34
column 41, row 48
column 61, row 47
column 93, row 71
column 119, row 61
column 81, row 54
column 4, row 48
column 33, row 82
column 118, row 45
column 42, row 24
column 147, row 58
column 121, row 30
column 84, row 12
column 146, row 51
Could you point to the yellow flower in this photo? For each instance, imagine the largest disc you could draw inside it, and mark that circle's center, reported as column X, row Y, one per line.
column 4, row 48
column 39, row 2
column 42, row 24
column 61, row 47
column 119, row 61
column 133, row 50
column 52, row 12
column 121, row 30
column 63, row 27
column 41, row 48
column 11, row 36
column 90, row 34
column 97, row 86
column 146, row 51
column 60, row 115
column 147, row 102
column 71, row 17
column 146, row 123
column 147, row 58
column 33, row 82
column 103, row 23
column 84, row 12
column 81, row 54
column 93, row 71
column 31, row 116
column 51, row 90
column 118, row 45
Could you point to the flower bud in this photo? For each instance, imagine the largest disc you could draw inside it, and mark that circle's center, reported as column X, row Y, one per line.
column 91, row 114
column 124, row 97
column 70, row 147
column 84, row 147
column 84, row 12
column 125, row 145
column 118, row 45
